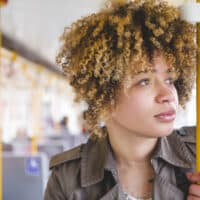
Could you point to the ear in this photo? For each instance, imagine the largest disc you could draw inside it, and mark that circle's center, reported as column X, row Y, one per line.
column 111, row 107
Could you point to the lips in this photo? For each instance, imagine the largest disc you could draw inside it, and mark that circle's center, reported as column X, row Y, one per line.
column 167, row 116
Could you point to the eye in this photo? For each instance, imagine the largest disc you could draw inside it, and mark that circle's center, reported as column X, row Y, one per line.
column 144, row 82
column 170, row 81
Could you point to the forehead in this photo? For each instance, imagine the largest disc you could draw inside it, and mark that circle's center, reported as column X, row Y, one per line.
column 157, row 65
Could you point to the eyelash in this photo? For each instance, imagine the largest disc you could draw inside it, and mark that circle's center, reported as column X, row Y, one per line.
column 142, row 81
column 172, row 80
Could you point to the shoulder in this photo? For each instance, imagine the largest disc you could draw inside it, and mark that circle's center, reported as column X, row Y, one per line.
column 64, row 168
column 66, row 157
column 73, row 155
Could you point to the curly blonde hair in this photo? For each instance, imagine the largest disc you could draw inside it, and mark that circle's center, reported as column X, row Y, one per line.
column 99, row 52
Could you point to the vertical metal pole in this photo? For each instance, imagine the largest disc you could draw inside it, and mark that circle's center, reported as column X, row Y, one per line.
column 1, row 125
column 198, row 100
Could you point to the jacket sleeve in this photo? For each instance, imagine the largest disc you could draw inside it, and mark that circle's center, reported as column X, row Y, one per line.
column 54, row 189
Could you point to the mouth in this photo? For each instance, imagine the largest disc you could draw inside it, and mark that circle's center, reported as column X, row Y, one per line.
column 167, row 116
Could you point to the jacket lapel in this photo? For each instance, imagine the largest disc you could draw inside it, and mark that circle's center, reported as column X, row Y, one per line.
column 166, row 191
column 173, row 150
column 112, row 194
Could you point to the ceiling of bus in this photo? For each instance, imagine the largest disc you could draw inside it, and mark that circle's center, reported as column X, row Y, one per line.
column 38, row 24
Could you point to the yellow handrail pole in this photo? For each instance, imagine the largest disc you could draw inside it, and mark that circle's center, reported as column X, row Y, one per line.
column 198, row 99
column 34, row 118
column 1, row 174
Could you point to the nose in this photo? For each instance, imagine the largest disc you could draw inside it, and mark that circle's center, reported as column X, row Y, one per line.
column 164, row 94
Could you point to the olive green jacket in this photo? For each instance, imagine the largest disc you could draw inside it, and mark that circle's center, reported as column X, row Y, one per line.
column 88, row 172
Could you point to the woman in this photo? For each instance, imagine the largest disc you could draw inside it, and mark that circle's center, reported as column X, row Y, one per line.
column 133, row 63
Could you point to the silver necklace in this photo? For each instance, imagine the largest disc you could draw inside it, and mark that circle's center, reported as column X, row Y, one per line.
column 131, row 198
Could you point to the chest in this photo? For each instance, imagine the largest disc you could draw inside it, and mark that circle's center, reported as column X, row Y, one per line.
column 136, row 182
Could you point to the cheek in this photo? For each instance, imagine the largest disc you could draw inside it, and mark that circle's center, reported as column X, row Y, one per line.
column 176, row 97
column 131, row 105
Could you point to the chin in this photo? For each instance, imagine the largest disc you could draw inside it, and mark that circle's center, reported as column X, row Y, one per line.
column 165, row 130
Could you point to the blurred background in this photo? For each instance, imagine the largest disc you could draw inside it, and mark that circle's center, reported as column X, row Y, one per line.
column 38, row 117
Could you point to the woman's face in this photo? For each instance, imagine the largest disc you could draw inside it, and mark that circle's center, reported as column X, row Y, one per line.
column 150, row 104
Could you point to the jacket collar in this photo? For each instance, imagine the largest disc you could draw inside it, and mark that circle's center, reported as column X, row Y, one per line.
column 97, row 156
column 94, row 155
column 174, row 150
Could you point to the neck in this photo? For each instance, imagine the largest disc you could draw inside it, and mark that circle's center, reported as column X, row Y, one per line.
column 130, row 147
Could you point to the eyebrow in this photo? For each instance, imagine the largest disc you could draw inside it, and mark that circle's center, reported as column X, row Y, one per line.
column 154, row 71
